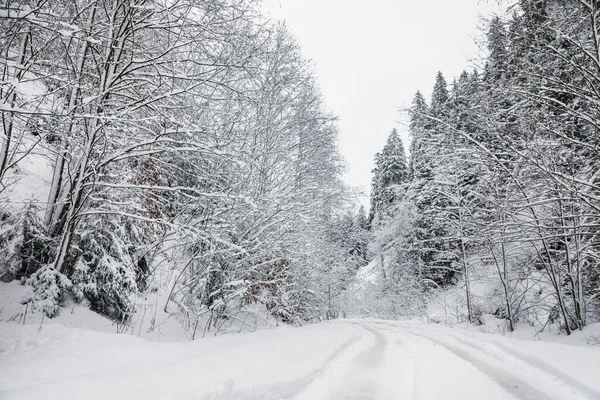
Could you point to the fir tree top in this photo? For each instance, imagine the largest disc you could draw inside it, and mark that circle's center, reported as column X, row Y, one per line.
column 392, row 169
column 439, row 98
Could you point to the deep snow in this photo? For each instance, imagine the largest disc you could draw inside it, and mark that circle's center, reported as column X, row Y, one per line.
column 346, row 359
column 152, row 320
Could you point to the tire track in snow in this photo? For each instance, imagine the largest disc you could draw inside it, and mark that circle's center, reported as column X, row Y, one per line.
column 406, row 373
column 501, row 352
column 369, row 360
column 348, row 377
column 281, row 390
column 506, row 355
column 535, row 362
column 373, row 356
column 507, row 380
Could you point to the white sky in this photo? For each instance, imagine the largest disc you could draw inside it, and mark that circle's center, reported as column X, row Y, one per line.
column 372, row 56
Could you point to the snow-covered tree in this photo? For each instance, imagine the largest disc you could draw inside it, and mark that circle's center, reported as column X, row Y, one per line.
column 390, row 173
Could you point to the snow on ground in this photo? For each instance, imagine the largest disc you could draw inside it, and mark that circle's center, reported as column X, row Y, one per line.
column 150, row 321
column 346, row 359
column 29, row 181
column 368, row 274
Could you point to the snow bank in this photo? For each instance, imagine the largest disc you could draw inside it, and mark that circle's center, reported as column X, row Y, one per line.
column 368, row 274
column 60, row 363
column 150, row 320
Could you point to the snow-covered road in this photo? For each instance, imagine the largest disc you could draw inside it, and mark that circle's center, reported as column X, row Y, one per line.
column 339, row 360
column 409, row 361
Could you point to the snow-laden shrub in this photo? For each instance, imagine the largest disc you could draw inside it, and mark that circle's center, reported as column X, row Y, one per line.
column 49, row 287
column 591, row 279
column 290, row 307
column 400, row 296
column 102, row 269
column 105, row 271
column 11, row 237
column 24, row 244
column 107, row 284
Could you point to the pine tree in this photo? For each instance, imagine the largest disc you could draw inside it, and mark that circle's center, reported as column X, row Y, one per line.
column 375, row 196
column 390, row 173
column 439, row 97
column 496, row 67
column 360, row 237
column 418, row 168
column 428, row 244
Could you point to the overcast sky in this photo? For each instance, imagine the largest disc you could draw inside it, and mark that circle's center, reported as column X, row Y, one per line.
column 372, row 56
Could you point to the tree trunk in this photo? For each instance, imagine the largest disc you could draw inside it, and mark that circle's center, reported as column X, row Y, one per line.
column 8, row 116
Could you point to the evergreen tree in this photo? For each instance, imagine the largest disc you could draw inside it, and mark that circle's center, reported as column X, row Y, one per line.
column 439, row 97
column 360, row 236
column 496, row 66
column 418, row 167
column 429, row 248
column 375, row 196
column 390, row 173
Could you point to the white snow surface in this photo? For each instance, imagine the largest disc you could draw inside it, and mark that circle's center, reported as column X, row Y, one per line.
column 150, row 320
column 368, row 274
column 345, row 359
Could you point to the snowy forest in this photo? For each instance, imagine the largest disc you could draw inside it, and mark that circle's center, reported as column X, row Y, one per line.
column 497, row 209
column 186, row 150
column 176, row 160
